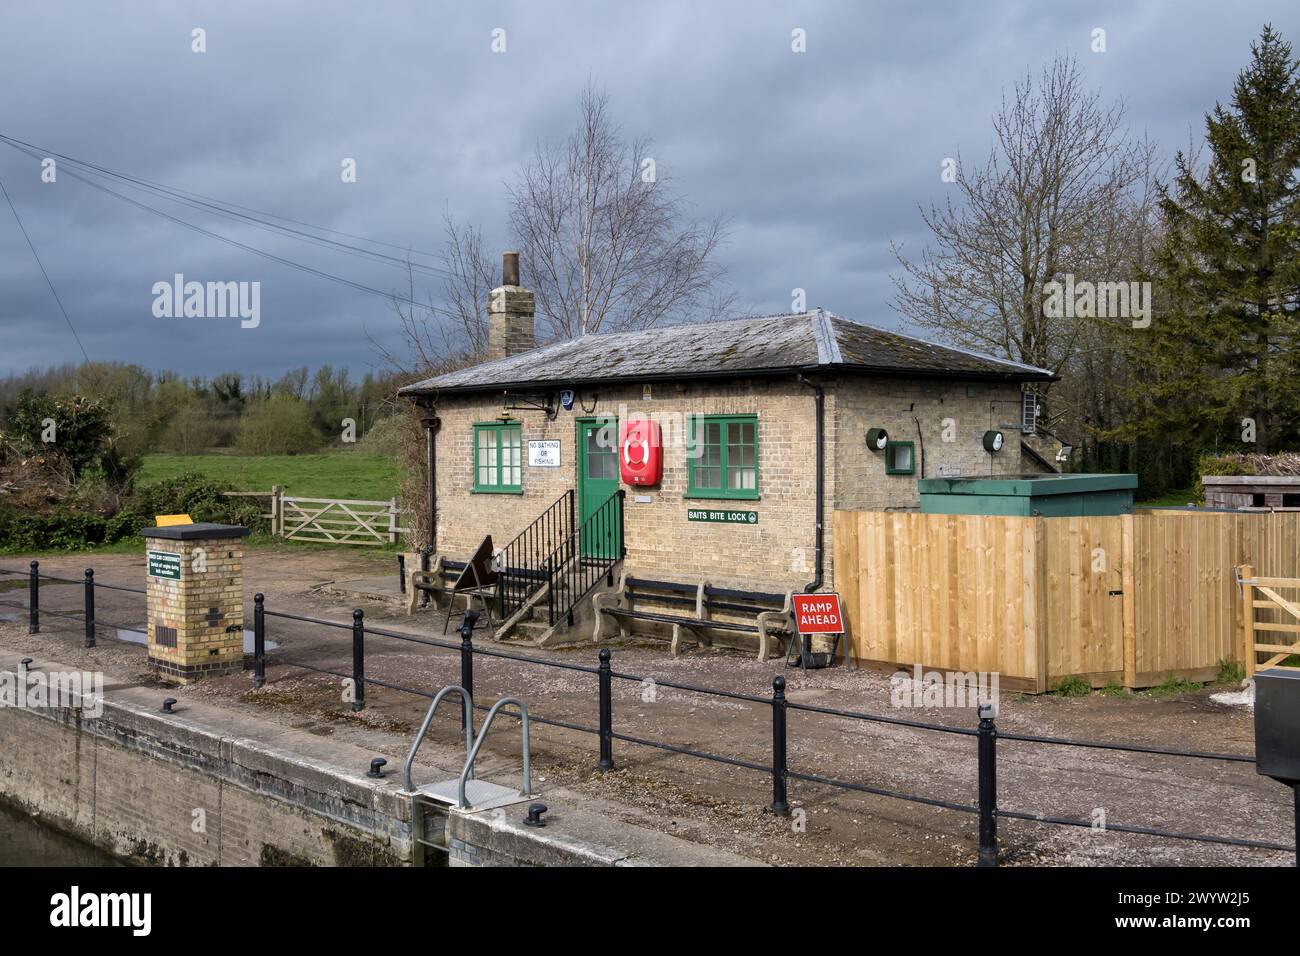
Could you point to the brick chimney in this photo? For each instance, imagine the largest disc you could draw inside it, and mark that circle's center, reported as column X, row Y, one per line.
column 510, row 313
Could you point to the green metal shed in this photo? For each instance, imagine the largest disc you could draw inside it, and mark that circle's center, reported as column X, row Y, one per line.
column 1028, row 495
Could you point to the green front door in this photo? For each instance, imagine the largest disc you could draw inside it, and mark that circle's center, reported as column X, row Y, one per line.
column 597, row 480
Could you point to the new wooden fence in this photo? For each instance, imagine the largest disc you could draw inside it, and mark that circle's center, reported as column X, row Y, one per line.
column 335, row 520
column 1127, row 598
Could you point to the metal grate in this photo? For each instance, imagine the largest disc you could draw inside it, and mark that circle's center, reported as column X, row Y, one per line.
column 164, row 636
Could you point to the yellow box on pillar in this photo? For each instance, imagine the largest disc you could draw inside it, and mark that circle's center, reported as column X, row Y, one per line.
column 195, row 599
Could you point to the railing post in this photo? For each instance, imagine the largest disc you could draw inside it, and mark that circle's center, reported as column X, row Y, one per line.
column 358, row 659
column 34, row 598
column 90, row 608
column 467, row 656
column 550, row 592
column 606, row 713
column 573, row 529
column 780, row 805
column 988, row 788
column 259, row 639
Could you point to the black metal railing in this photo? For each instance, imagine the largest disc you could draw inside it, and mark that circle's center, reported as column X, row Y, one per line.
column 87, row 617
column 589, row 554
column 522, row 565
column 986, row 807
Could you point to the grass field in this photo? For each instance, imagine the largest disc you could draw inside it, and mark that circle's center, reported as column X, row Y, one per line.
column 1174, row 499
column 343, row 475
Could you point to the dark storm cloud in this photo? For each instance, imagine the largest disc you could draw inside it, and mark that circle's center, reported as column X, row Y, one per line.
column 819, row 159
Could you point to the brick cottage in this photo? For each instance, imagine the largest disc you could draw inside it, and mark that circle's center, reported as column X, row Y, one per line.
column 765, row 425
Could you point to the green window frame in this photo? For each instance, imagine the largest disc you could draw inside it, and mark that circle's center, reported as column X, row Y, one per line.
column 498, row 458
column 893, row 451
column 722, row 459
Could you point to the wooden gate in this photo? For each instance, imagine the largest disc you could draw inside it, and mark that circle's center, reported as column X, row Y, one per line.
column 339, row 520
column 1269, row 612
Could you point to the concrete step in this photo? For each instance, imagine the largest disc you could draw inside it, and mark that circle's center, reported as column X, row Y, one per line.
column 527, row 633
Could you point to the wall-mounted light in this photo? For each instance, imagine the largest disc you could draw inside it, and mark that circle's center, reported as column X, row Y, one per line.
column 877, row 439
column 993, row 442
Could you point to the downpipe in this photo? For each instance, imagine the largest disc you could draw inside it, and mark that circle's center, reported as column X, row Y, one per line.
column 818, row 550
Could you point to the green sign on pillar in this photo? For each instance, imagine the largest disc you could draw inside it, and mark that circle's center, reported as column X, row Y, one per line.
column 722, row 516
column 165, row 564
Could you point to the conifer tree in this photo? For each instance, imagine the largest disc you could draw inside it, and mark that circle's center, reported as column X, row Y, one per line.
column 1218, row 366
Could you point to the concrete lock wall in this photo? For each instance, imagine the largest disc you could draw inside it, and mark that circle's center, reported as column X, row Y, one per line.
column 205, row 787
column 776, row 552
column 146, row 788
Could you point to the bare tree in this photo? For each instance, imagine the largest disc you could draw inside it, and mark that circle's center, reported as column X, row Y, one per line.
column 1062, row 192
column 440, row 338
column 605, row 244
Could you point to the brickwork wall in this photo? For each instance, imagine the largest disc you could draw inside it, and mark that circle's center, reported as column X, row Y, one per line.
column 776, row 552
column 952, row 418
column 205, row 642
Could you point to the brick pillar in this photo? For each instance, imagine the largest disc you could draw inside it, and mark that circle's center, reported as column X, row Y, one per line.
column 195, row 600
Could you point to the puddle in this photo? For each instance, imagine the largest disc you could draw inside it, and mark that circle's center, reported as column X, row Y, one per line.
column 140, row 637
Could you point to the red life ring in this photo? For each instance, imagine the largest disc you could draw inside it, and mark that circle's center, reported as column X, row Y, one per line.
column 640, row 457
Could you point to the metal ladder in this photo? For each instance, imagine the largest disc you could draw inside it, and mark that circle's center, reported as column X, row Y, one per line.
column 465, row 792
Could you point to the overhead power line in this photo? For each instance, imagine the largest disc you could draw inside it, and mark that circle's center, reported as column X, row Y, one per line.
column 55, row 292
column 302, row 267
column 236, row 211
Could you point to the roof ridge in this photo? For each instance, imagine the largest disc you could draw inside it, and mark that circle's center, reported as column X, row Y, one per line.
column 828, row 346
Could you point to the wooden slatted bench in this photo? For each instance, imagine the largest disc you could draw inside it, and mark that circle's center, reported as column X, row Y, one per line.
column 436, row 581
column 772, row 612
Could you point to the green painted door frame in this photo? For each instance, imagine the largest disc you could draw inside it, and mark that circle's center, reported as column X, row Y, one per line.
column 597, row 466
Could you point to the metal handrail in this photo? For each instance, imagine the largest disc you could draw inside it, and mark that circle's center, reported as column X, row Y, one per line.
column 467, row 702
column 468, row 770
column 606, row 523
column 521, row 564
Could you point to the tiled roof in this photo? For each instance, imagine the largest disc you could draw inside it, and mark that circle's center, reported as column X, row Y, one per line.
column 805, row 341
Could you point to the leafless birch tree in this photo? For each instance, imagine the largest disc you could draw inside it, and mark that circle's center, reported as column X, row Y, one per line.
column 604, row 242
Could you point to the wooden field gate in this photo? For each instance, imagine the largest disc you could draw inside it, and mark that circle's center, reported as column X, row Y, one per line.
column 1271, row 622
column 1127, row 599
column 332, row 520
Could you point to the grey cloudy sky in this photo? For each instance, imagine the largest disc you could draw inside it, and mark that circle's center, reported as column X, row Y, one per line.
column 819, row 159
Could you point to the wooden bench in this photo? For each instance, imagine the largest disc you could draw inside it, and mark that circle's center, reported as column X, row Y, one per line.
column 772, row 613
column 436, row 581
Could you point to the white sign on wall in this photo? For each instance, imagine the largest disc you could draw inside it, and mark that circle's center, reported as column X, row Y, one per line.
column 544, row 453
